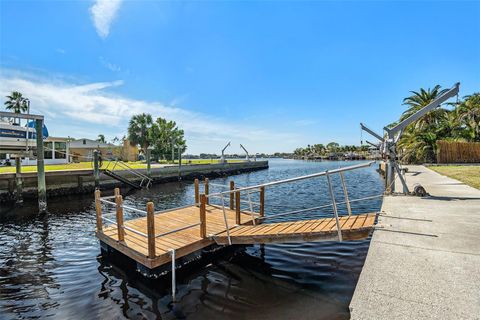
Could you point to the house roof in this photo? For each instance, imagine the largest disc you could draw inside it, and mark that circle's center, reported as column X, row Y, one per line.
column 89, row 144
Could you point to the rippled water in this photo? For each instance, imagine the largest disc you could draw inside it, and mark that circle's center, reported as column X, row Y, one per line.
column 50, row 265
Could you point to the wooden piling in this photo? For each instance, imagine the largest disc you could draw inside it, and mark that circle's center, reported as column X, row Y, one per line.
column 197, row 192
column 262, row 201
column 149, row 168
column 206, row 189
column 96, row 169
column 116, row 191
column 232, row 194
column 98, row 209
column 203, row 216
column 151, row 229
column 237, row 207
column 41, row 184
column 119, row 211
column 18, row 179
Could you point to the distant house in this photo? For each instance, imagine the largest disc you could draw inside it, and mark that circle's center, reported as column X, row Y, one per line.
column 82, row 149
column 55, row 151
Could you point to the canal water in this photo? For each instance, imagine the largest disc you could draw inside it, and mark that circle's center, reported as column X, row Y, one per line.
column 51, row 265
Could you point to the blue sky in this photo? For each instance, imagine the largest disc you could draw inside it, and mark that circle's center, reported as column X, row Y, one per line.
column 272, row 75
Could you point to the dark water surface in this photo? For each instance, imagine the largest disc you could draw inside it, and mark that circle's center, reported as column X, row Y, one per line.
column 51, row 267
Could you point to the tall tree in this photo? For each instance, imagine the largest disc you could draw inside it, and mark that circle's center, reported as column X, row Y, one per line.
column 101, row 138
column 16, row 102
column 469, row 116
column 166, row 137
column 138, row 130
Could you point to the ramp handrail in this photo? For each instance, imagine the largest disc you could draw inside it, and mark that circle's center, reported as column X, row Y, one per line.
column 261, row 188
column 126, row 167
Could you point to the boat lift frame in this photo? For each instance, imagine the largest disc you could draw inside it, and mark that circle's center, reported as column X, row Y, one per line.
column 388, row 143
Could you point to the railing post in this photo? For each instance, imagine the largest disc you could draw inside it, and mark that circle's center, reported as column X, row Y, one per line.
column 120, row 229
column 262, row 201
column 345, row 192
column 197, row 192
column 98, row 209
column 151, row 230
column 206, row 189
column 334, row 204
column 203, row 218
column 237, row 207
column 232, row 195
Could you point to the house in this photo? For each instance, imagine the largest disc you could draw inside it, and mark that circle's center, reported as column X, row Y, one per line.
column 82, row 149
column 56, row 150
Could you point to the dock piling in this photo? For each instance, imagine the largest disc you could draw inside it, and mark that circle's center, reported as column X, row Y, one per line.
column 203, row 218
column 151, row 229
column 119, row 211
column 96, row 169
column 42, row 186
column 206, row 189
column 237, row 208
column 98, row 209
column 18, row 179
column 174, row 281
column 262, row 201
column 232, row 195
column 197, row 192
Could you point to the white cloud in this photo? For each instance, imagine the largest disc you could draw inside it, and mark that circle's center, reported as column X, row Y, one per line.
column 92, row 105
column 111, row 66
column 103, row 14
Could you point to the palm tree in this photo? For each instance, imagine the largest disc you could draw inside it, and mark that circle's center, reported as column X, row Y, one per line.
column 101, row 138
column 138, row 130
column 469, row 117
column 420, row 99
column 17, row 103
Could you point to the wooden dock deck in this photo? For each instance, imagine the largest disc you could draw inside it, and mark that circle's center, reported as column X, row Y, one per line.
column 156, row 239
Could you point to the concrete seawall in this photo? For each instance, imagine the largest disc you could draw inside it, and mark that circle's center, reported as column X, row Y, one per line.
column 424, row 262
column 82, row 181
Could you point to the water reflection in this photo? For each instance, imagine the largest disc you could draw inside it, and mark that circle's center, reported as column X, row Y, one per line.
column 50, row 265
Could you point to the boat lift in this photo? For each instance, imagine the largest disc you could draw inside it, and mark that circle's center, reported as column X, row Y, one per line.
column 388, row 142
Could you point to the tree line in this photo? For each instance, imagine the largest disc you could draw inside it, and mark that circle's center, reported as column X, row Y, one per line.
column 320, row 150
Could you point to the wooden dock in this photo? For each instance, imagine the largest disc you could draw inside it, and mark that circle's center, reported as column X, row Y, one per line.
column 154, row 238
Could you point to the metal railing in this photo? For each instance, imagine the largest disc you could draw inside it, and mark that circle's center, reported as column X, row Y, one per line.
column 145, row 181
column 261, row 187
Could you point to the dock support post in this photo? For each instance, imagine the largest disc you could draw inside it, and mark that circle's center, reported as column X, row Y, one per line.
column 334, row 204
column 179, row 163
column 197, row 192
column 151, row 229
column 18, row 179
column 96, row 169
column 120, row 229
column 262, row 201
column 206, row 188
column 98, row 209
column 149, row 168
column 345, row 192
column 203, row 217
column 174, row 281
column 232, row 195
column 41, row 184
column 237, row 208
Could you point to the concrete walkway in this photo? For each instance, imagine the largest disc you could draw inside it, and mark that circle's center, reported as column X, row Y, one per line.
column 427, row 268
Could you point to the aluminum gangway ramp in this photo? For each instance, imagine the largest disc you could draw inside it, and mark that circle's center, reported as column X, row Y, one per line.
column 137, row 179
column 353, row 227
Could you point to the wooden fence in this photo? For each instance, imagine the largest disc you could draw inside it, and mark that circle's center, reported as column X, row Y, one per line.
column 458, row 152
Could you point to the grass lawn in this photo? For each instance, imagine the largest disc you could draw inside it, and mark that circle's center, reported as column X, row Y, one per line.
column 467, row 174
column 89, row 165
